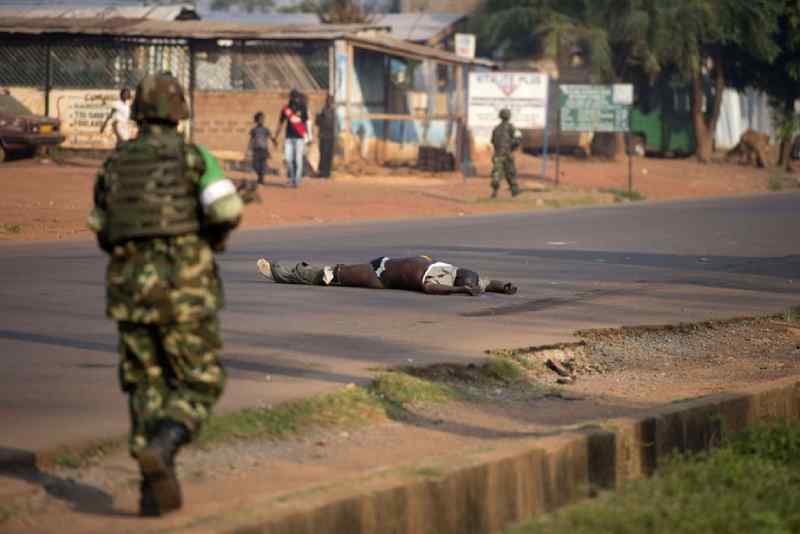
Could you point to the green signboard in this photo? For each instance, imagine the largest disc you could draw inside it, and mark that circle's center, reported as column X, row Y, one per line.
column 595, row 108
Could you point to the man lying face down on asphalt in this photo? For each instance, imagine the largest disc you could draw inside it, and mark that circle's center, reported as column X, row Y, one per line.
column 418, row 273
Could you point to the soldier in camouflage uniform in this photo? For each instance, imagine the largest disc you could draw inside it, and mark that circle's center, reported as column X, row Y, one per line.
column 505, row 139
column 161, row 208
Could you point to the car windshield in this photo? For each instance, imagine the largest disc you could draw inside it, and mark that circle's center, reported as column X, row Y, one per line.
column 9, row 104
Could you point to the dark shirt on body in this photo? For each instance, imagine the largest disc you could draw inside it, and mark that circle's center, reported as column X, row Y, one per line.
column 300, row 110
column 402, row 273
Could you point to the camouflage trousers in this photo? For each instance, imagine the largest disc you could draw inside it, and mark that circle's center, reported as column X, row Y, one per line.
column 169, row 372
column 503, row 166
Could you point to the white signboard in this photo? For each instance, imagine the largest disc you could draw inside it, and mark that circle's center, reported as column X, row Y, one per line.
column 82, row 112
column 523, row 93
column 465, row 45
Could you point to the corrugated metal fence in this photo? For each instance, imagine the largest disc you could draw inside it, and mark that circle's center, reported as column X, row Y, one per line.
column 76, row 78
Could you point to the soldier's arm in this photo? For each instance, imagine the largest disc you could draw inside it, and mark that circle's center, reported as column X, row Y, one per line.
column 221, row 203
column 97, row 219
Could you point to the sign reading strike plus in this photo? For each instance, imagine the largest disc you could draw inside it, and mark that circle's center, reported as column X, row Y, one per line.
column 596, row 108
column 524, row 93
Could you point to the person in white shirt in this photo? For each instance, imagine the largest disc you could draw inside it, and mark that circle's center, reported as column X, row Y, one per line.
column 120, row 116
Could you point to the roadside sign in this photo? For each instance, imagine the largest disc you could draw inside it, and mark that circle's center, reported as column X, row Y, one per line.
column 465, row 45
column 596, row 108
column 523, row 93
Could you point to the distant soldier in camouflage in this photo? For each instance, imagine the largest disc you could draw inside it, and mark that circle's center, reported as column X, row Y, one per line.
column 161, row 208
column 505, row 139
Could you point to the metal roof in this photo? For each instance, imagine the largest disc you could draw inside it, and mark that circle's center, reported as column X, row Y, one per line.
column 187, row 29
column 416, row 27
column 392, row 46
column 365, row 36
column 35, row 11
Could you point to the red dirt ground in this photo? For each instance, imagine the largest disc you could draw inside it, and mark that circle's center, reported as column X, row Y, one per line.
column 48, row 200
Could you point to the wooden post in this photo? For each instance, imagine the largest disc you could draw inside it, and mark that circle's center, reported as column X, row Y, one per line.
column 349, row 99
column 459, row 118
column 192, row 88
column 387, row 81
column 332, row 70
column 48, row 77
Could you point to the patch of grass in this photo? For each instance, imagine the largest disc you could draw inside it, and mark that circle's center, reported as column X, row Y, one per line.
column 429, row 472
column 623, row 195
column 403, row 389
column 69, row 459
column 747, row 485
column 776, row 182
column 74, row 458
column 352, row 406
column 792, row 315
column 504, row 368
column 7, row 512
column 8, row 228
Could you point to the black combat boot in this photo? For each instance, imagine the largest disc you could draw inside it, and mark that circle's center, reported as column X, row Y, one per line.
column 494, row 193
column 515, row 191
column 160, row 490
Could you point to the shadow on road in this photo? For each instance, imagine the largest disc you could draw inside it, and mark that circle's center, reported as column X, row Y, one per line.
column 21, row 465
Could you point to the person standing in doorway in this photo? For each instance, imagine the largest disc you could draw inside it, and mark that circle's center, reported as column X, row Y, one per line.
column 258, row 146
column 120, row 116
column 326, row 122
column 295, row 115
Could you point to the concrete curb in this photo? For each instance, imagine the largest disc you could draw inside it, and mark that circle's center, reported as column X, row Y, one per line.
column 489, row 489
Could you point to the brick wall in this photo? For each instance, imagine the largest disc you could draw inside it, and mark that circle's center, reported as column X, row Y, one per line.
column 222, row 119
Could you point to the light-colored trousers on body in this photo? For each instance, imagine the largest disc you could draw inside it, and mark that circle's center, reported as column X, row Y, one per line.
column 294, row 149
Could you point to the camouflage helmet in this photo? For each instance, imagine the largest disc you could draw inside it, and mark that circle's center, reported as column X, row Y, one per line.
column 159, row 97
column 505, row 114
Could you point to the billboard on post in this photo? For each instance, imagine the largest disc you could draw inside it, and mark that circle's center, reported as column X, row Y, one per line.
column 524, row 93
column 596, row 108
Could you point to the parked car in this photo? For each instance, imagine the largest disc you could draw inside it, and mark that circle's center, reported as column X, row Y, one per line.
column 22, row 130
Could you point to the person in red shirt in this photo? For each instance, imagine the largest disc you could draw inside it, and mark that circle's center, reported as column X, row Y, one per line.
column 295, row 116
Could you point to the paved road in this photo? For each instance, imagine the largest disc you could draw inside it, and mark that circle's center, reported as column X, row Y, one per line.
column 636, row 264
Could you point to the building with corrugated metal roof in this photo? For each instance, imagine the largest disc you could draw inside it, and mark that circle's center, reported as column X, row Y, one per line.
column 391, row 95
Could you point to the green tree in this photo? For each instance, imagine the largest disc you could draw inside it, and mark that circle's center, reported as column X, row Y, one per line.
column 701, row 39
column 779, row 78
column 614, row 36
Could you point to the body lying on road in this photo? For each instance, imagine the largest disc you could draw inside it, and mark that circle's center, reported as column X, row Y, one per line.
column 418, row 273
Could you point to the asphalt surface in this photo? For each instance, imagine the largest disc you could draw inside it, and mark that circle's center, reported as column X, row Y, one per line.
column 646, row 263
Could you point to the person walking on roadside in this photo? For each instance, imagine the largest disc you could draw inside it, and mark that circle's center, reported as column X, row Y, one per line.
column 119, row 116
column 326, row 122
column 258, row 146
column 505, row 139
column 162, row 207
column 295, row 115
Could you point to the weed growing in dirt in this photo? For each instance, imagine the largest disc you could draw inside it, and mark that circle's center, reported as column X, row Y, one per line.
column 505, row 369
column 403, row 389
column 792, row 315
column 69, row 459
column 10, row 228
column 7, row 512
column 354, row 406
column 349, row 407
column 747, row 485
column 775, row 183
column 623, row 195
